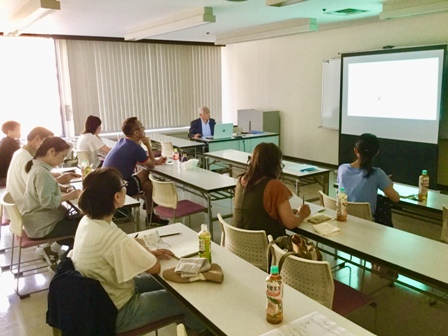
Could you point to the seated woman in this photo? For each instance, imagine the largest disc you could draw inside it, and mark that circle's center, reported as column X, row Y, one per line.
column 43, row 214
column 360, row 179
column 121, row 263
column 261, row 200
column 90, row 142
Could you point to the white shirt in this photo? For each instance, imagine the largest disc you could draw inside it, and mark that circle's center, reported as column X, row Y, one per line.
column 90, row 143
column 16, row 178
column 104, row 252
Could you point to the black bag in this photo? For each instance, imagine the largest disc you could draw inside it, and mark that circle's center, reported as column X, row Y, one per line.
column 383, row 212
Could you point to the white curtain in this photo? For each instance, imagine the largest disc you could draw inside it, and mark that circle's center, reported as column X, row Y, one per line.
column 161, row 84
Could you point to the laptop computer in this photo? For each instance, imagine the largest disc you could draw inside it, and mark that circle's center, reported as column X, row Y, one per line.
column 223, row 131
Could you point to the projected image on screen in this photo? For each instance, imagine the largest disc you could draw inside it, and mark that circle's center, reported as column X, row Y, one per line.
column 393, row 94
column 380, row 97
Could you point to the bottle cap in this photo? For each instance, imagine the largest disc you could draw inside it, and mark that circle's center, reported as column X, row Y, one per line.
column 274, row 269
column 424, row 172
column 204, row 227
column 342, row 189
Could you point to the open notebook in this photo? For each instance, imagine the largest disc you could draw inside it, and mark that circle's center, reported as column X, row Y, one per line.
column 183, row 250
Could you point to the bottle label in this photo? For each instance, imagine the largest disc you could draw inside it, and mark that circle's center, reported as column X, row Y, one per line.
column 274, row 296
column 205, row 249
column 424, row 182
column 341, row 208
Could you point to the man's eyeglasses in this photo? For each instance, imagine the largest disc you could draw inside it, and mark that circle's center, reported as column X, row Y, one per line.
column 282, row 165
column 124, row 184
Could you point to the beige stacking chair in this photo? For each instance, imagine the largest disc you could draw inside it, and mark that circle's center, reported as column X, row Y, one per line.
column 249, row 245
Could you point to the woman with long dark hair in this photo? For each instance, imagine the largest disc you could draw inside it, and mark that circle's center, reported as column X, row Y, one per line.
column 119, row 262
column 43, row 214
column 360, row 179
column 90, row 141
column 261, row 199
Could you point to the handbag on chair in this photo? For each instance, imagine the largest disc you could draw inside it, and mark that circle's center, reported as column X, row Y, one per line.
column 297, row 245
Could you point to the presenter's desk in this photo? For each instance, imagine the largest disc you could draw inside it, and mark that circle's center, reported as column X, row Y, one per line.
column 236, row 307
column 183, row 145
column 412, row 255
column 244, row 142
column 210, row 185
column 292, row 171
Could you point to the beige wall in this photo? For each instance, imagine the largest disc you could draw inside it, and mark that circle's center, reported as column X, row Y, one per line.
column 285, row 74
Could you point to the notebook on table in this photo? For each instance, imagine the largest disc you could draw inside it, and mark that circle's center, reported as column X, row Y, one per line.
column 187, row 249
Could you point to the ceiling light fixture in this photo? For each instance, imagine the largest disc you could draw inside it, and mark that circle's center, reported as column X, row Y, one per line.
column 393, row 9
column 30, row 13
column 269, row 30
column 281, row 3
column 187, row 19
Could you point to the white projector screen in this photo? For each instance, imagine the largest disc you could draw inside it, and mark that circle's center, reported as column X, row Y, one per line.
column 394, row 94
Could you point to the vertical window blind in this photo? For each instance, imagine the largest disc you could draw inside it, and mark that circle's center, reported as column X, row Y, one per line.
column 161, row 84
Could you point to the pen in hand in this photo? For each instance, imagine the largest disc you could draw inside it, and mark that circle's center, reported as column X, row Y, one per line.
column 136, row 235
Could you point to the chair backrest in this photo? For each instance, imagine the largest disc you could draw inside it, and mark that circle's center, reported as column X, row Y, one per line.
column 250, row 245
column 16, row 223
column 357, row 209
column 167, row 148
column 327, row 201
column 83, row 156
column 163, row 193
column 181, row 331
column 310, row 277
column 444, row 236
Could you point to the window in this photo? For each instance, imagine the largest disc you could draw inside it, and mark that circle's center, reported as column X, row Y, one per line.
column 29, row 91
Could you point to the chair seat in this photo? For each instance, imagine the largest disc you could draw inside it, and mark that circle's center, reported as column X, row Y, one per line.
column 184, row 208
column 347, row 299
column 153, row 326
column 27, row 242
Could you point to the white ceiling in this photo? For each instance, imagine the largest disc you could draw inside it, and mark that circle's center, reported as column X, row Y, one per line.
column 113, row 18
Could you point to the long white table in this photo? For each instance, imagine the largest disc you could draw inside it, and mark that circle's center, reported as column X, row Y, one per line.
column 431, row 208
column 210, row 185
column 243, row 142
column 293, row 171
column 129, row 202
column 417, row 257
column 237, row 306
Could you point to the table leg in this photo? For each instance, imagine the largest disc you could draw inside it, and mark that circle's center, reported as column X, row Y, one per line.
column 210, row 215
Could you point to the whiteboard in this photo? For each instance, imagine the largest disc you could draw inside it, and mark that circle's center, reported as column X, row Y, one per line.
column 331, row 74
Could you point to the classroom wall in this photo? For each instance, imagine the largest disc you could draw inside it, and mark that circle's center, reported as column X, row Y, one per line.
column 285, row 74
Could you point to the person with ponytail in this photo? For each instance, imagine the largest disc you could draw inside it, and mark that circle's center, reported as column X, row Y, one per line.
column 360, row 179
column 43, row 214
column 122, row 264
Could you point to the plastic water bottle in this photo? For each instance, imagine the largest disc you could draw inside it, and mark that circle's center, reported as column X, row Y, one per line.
column 341, row 205
column 176, row 160
column 274, row 296
column 205, row 243
column 423, row 185
column 85, row 169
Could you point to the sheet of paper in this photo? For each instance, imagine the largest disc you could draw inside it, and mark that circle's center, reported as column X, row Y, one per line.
column 314, row 324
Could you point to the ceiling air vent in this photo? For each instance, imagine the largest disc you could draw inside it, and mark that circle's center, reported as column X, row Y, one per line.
column 346, row 11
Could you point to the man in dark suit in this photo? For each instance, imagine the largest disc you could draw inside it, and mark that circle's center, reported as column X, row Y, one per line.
column 203, row 126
